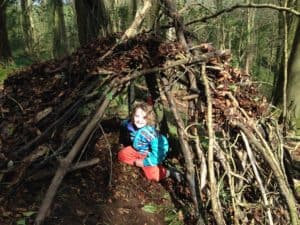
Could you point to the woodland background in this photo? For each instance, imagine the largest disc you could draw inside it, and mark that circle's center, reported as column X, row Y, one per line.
column 260, row 39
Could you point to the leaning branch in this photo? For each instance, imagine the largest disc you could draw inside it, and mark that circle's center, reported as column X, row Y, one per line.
column 258, row 178
column 284, row 187
column 66, row 162
column 216, row 208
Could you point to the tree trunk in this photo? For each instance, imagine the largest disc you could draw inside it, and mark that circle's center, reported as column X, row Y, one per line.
column 27, row 25
column 60, row 45
column 293, row 90
column 278, row 69
column 250, row 40
column 220, row 34
column 5, row 52
column 92, row 20
column 150, row 21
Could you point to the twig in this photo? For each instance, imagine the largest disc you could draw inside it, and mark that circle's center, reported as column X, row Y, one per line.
column 15, row 101
column 238, row 6
column 260, row 183
column 110, row 154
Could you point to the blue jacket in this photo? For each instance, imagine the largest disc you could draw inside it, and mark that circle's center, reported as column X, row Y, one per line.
column 148, row 140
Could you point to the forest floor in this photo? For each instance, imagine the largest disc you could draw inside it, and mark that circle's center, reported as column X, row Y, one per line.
column 95, row 195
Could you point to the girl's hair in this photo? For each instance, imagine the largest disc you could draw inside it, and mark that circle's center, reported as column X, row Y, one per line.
column 150, row 116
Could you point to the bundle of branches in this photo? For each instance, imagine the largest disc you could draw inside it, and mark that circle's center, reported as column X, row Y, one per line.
column 229, row 134
column 232, row 145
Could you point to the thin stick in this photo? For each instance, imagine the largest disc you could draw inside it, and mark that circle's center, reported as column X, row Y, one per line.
column 216, row 208
column 260, row 183
column 110, row 154
column 15, row 101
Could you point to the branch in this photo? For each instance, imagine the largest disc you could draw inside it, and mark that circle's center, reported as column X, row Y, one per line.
column 260, row 183
column 77, row 166
column 139, row 17
column 133, row 29
column 65, row 163
column 284, row 187
column 110, row 154
column 239, row 6
column 187, row 153
column 216, row 208
column 168, row 65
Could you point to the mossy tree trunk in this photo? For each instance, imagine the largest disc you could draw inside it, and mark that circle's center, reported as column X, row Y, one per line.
column 27, row 25
column 60, row 44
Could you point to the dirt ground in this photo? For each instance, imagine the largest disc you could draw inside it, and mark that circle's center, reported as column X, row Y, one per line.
column 109, row 193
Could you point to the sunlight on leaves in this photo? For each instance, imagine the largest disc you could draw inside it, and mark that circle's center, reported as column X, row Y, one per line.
column 28, row 214
column 110, row 96
column 150, row 208
column 174, row 218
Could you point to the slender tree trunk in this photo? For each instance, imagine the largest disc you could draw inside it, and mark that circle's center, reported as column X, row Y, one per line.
column 278, row 69
column 250, row 39
column 60, row 45
column 220, row 34
column 27, row 25
column 5, row 52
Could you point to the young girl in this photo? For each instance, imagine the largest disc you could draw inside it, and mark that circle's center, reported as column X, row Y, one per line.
column 145, row 146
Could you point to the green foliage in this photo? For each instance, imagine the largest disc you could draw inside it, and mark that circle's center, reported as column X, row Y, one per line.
column 5, row 70
column 151, row 208
column 172, row 217
column 22, row 221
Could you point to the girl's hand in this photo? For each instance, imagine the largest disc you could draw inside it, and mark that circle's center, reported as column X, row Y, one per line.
column 139, row 163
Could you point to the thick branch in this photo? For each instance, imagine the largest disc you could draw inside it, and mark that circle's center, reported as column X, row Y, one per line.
column 240, row 6
column 217, row 211
column 184, row 144
column 139, row 17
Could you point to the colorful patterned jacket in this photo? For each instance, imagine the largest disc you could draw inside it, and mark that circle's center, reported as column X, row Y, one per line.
column 148, row 140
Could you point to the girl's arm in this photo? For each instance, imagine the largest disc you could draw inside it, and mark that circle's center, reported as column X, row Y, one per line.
column 158, row 152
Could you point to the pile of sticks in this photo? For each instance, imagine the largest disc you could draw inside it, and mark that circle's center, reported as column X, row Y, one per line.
column 232, row 145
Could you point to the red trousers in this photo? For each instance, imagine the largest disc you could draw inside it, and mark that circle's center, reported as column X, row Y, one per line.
column 128, row 155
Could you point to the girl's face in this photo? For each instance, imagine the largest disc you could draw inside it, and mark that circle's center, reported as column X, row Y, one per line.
column 139, row 118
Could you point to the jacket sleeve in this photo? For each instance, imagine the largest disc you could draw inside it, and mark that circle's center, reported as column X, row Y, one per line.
column 159, row 148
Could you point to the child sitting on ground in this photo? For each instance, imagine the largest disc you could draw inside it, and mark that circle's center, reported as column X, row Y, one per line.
column 145, row 147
